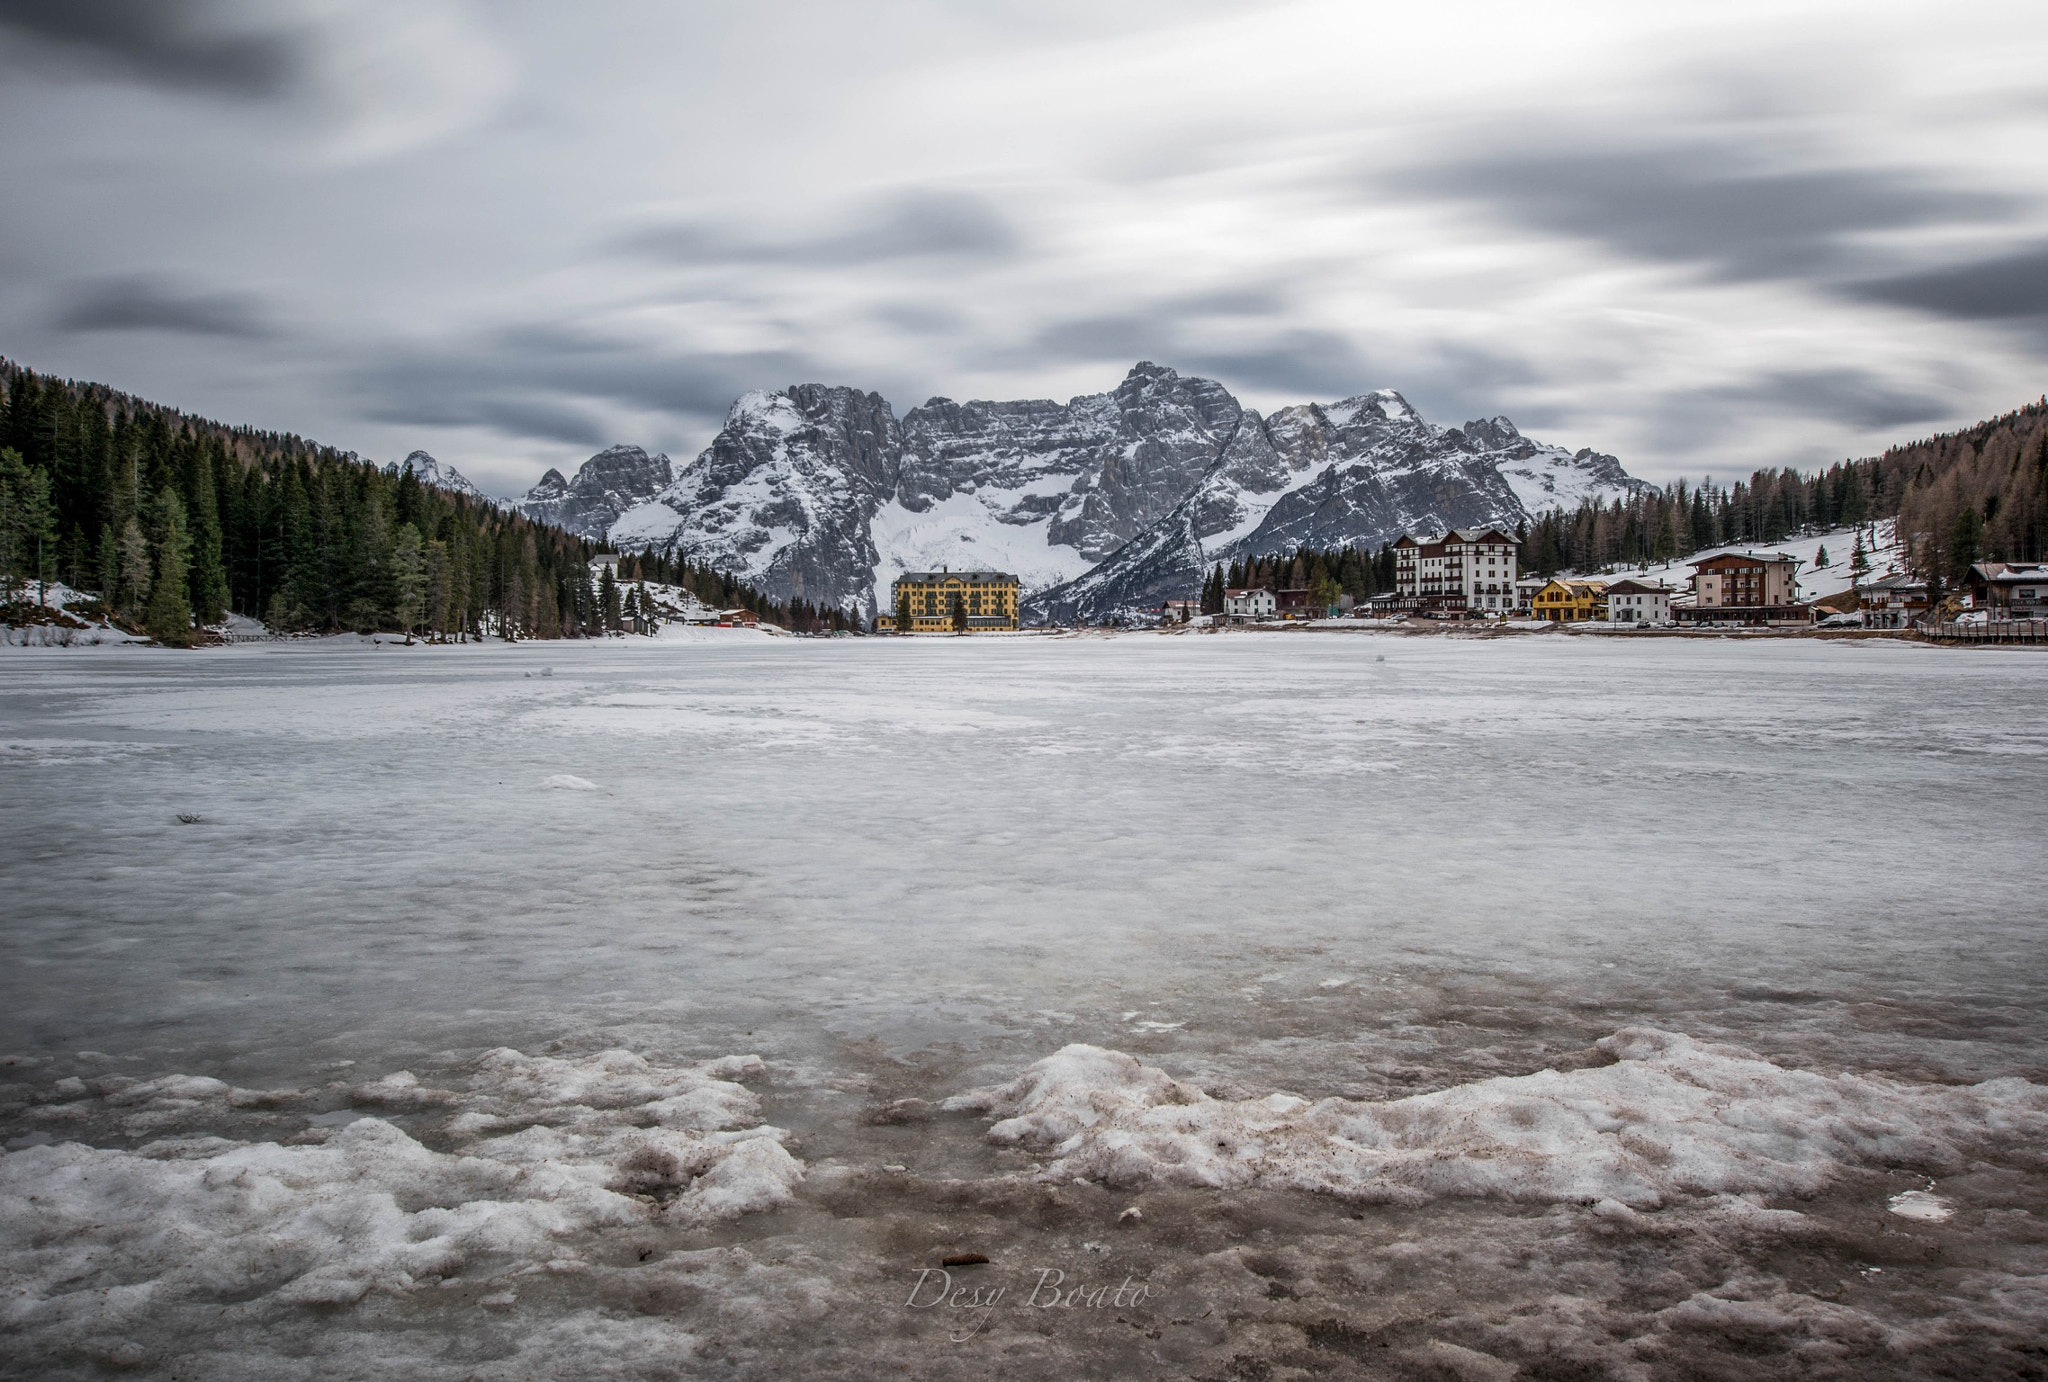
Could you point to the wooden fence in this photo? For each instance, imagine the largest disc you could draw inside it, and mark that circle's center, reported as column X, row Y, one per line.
column 1996, row 631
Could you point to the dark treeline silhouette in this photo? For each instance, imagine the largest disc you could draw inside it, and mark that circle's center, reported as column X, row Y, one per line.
column 175, row 520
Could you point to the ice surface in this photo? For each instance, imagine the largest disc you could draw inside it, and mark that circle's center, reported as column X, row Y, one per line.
column 395, row 1059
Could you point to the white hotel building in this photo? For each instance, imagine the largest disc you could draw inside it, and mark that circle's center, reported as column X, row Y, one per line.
column 1467, row 571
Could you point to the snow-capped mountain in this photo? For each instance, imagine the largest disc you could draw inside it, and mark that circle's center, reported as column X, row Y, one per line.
column 1108, row 500
column 606, row 485
column 1361, row 471
column 785, row 495
column 431, row 472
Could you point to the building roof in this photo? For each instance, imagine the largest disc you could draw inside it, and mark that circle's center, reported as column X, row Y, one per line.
column 1896, row 582
column 922, row 577
column 1248, row 590
column 1745, row 558
column 2005, row 572
column 1636, row 587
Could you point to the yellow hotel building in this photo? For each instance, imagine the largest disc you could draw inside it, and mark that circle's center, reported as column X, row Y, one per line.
column 988, row 597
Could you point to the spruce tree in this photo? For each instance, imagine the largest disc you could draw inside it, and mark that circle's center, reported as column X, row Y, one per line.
column 169, row 616
column 959, row 613
column 905, row 619
column 608, row 599
column 409, row 577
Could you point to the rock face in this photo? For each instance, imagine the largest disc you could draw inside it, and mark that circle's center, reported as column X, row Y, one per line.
column 431, row 472
column 1100, row 503
column 785, row 495
column 606, row 485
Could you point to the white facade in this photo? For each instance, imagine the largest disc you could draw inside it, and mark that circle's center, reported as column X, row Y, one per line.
column 1638, row 602
column 1250, row 604
column 1465, row 571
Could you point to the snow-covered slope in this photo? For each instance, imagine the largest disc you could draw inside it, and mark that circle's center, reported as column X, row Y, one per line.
column 431, row 472
column 1107, row 500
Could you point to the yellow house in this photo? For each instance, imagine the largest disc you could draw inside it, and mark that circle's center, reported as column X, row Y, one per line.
column 984, row 600
column 1570, row 602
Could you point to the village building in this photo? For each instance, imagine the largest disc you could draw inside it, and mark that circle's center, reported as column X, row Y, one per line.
column 1300, row 603
column 1179, row 611
column 1254, row 603
column 2010, row 590
column 1893, row 601
column 1745, row 588
column 1638, row 602
column 939, row 599
column 1465, row 572
column 1525, row 594
column 1563, row 601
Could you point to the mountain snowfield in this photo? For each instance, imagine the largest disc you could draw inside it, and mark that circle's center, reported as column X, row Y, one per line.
column 1105, row 502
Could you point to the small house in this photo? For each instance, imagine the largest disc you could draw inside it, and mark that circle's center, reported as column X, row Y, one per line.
column 1638, row 602
column 1893, row 601
column 2010, row 590
column 1256, row 603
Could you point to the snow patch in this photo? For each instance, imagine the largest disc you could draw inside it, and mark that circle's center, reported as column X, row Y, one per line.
column 1671, row 1117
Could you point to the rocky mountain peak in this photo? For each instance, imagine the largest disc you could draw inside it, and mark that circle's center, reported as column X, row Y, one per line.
column 605, row 487
column 429, row 471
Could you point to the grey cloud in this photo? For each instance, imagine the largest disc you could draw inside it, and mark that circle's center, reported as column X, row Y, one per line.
column 1129, row 337
column 1688, row 419
column 139, row 303
column 547, row 380
column 919, row 224
column 2008, row 286
column 186, row 44
column 1309, row 364
column 1703, row 205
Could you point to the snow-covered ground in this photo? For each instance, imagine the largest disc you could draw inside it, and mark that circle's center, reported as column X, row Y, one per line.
column 640, row 1008
column 1815, row 581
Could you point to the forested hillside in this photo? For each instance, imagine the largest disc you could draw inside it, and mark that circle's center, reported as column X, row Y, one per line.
column 175, row 520
column 1959, row 498
column 1975, row 494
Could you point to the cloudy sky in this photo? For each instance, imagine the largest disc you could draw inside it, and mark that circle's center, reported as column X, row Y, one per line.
column 1704, row 237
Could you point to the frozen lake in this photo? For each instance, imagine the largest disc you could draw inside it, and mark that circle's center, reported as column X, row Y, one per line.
column 1358, row 869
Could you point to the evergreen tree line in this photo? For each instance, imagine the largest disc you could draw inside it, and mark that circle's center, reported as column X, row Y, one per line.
column 1325, row 572
column 1976, row 495
column 174, row 521
column 1959, row 498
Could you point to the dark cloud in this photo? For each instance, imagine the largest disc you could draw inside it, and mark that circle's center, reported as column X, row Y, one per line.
column 138, row 303
column 550, row 381
column 921, row 224
column 1306, row 364
column 184, row 44
column 1688, row 419
column 2008, row 286
column 1703, row 205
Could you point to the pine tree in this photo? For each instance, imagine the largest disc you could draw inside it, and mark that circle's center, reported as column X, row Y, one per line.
column 1859, row 562
column 1820, row 558
column 905, row 619
column 959, row 613
column 409, row 577
column 608, row 599
column 169, row 617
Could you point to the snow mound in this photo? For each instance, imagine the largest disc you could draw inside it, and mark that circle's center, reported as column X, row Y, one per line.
column 540, row 1151
column 1670, row 1117
column 569, row 782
